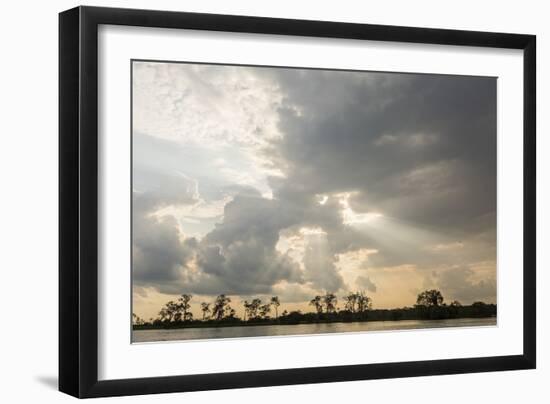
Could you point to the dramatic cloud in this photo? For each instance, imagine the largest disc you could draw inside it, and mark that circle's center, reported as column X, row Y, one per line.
column 419, row 148
column 241, row 250
column 319, row 264
column 459, row 283
column 158, row 254
column 258, row 181
column 364, row 282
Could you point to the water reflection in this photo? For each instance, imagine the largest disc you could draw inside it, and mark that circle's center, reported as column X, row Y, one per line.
column 302, row 329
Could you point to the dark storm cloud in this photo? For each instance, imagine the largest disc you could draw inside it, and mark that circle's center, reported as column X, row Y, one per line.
column 237, row 257
column 320, row 268
column 240, row 252
column 457, row 285
column 303, row 208
column 158, row 254
column 420, row 148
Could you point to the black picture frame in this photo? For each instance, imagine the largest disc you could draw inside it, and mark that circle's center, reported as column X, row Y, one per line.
column 78, row 201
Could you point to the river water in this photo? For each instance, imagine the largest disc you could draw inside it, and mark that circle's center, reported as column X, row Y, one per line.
column 302, row 329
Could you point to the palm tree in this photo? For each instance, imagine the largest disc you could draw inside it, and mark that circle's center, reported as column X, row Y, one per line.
column 276, row 303
column 205, row 307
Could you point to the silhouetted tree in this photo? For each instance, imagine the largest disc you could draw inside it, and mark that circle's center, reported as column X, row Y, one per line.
column 184, row 307
column 253, row 308
column 276, row 303
column 317, row 303
column 430, row 298
column 170, row 312
column 205, row 307
column 229, row 312
column 246, row 309
column 137, row 320
column 330, row 301
column 364, row 302
column 163, row 314
column 351, row 302
column 429, row 305
column 264, row 310
column 220, row 305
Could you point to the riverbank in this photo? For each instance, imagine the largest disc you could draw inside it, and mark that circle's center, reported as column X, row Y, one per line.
column 297, row 318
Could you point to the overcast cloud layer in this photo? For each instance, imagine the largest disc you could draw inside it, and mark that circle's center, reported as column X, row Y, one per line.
column 258, row 181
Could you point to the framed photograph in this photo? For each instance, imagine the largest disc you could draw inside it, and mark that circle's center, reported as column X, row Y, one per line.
column 251, row 201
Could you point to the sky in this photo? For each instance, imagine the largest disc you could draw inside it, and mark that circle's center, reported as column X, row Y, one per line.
column 258, row 181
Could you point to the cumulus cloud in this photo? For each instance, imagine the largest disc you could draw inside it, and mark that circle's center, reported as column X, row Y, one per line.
column 459, row 283
column 365, row 282
column 437, row 164
column 320, row 268
column 232, row 163
column 158, row 254
column 241, row 251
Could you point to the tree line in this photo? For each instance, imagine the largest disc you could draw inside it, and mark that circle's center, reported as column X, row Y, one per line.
column 357, row 306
